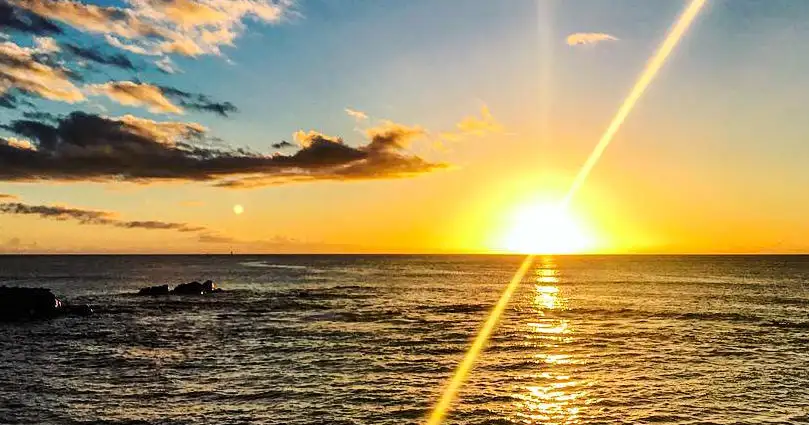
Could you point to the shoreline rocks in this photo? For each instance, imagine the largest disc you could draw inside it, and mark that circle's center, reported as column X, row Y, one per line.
column 154, row 290
column 190, row 288
column 35, row 303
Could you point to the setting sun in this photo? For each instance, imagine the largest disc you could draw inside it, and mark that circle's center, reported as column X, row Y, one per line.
column 538, row 228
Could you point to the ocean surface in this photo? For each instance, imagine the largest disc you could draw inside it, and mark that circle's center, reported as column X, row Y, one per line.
column 373, row 339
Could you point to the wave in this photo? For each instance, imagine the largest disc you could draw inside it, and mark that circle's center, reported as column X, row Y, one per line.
column 264, row 264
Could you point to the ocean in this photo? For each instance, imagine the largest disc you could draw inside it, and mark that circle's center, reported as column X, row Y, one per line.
column 373, row 339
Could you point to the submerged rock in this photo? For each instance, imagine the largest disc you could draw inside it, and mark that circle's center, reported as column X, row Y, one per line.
column 155, row 290
column 191, row 288
column 35, row 303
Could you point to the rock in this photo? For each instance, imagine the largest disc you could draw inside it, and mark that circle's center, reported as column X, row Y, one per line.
column 191, row 288
column 34, row 303
column 196, row 288
column 154, row 290
column 80, row 310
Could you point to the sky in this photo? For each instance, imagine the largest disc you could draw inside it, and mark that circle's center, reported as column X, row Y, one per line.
column 259, row 126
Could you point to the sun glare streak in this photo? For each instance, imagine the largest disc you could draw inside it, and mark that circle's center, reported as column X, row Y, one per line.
column 485, row 332
column 646, row 77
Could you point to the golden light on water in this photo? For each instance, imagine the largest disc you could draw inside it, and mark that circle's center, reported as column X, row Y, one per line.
column 557, row 396
column 647, row 76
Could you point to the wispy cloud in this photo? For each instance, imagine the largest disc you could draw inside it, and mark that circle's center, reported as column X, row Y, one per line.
column 159, row 99
column 93, row 217
column 136, row 94
column 581, row 38
column 485, row 123
column 357, row 115
column 7, row 197
column 472, row 125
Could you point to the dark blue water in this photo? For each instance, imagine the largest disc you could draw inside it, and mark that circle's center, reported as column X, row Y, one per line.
column 372, row 340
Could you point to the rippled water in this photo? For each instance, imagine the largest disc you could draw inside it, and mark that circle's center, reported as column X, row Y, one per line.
column 372, row 339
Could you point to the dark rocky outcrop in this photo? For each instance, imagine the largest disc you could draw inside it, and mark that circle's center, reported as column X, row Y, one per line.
column 35, row 303
column 191, row 288
column 155, row 290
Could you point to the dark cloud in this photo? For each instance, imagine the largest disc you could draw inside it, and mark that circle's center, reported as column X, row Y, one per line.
column 41, row 116
column 94, row 55
column 283, row 144
column 103, row 218
column 7, row 196
column 9, row 100
column 199, row 102
column 88, row 147
column 13, row 18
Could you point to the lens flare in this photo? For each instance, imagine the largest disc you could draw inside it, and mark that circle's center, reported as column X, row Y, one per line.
column 652, row 67
column 646, row 77
column 468, row 361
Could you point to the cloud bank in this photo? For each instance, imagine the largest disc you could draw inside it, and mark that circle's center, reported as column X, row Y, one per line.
column 90, row 147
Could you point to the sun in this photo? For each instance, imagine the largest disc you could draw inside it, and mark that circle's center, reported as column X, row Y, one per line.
column 538, row 228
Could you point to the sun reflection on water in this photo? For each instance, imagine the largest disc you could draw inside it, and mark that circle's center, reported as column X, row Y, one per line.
column 555, row 396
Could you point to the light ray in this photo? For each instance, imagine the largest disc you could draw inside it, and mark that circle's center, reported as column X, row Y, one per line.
column 646, row 77
column 653, row 66
column 477, row 345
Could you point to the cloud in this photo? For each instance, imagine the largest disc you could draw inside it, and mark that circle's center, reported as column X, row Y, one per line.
column 471, row 126
column 94, row 217
column 5, row 196
column 136, row 94
column 21, row 144
column 216, row 238
column 40, row 115
column 95, row 55
column 581, row 38
column 16, row 19
column 479, row 126
column 391, row 136
column 89, row 147
column 166, row 65
column 23, row 70
column 159, row 99
column 357, row 115
column 185, row 27
column 199, row 102
column 11, row 101
column 283, row 144
column 46, row 45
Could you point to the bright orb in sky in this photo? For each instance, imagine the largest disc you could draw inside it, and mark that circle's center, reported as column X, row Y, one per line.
column 544, row 229
column 238, row 209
